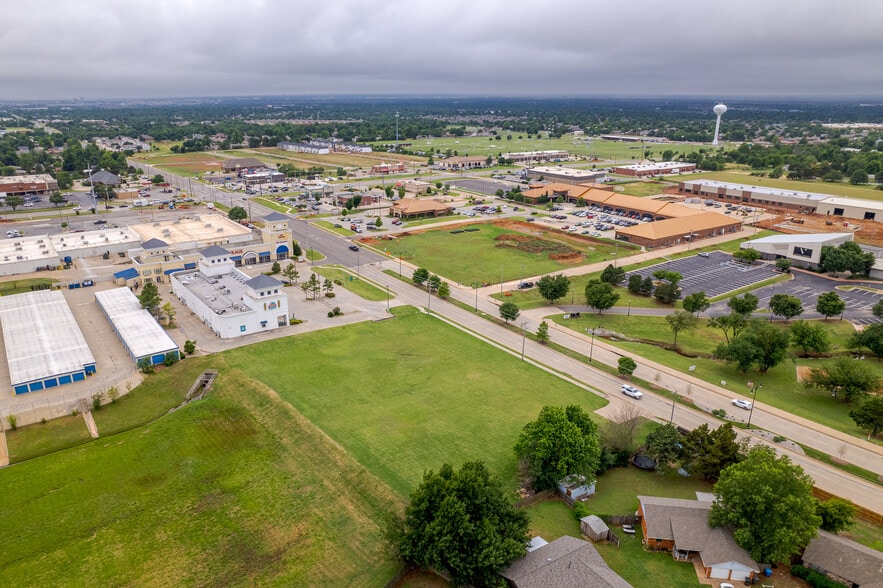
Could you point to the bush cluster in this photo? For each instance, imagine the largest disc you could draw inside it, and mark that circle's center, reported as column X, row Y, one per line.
column 814, row 578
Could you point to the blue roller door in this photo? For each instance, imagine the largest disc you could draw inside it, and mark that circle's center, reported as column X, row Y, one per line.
column 79, row 377
column 158, row 359
column 21, row 389
column 35, row 386
column 50, row 382
column 64, row 380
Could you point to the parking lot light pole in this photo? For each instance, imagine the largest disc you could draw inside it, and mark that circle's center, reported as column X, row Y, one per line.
column 754, row 390
column 387, row 299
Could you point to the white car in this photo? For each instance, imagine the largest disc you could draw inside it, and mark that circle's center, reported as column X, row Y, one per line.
column 631, row 391
column 746, row 404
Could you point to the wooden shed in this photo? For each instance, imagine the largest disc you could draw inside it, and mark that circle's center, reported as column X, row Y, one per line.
column 593, row 528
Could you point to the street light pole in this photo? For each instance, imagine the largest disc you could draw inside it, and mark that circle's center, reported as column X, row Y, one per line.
column 673, row 401
column 475, row 287
column 629, row 313
column 429, row 295
column 387, row 299
column 592, row 345
column 523, row 337
column 754, row 390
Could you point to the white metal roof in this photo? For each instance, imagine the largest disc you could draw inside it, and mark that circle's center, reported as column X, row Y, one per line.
column 141, row 334
column 799, row 239
column 41, row 336
column 810, row 196
column 854, row 202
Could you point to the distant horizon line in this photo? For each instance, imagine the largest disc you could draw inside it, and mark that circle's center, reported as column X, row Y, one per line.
column 715, row 98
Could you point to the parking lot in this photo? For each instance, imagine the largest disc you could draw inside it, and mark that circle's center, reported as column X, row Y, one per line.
column 715, row 275
column 809, row 287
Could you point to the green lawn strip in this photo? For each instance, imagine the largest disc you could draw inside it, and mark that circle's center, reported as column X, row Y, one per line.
column 330, row 227
column 356, row 285
column 18, row 286
column 617, row 492
column 475, row 256
column 42, row 438
column 222, row 207
column 237, row 487
column 643, row 189
column 313, row 255
column 421, row 413
column 846, row 467
column 866, row 534
column 432, row 221
column 780, row 383
column 752, row 287
column 270, row 203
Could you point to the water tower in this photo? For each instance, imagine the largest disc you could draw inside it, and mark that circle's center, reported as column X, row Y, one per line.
column 719, row 110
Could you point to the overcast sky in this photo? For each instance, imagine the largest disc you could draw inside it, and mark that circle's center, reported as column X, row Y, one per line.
column 61, row 49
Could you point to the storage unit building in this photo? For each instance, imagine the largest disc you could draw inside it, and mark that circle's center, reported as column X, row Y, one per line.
column 141, row 335
column 44, row 345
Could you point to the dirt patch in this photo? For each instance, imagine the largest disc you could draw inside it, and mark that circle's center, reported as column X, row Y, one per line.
column 534, row 244
column 803, row 373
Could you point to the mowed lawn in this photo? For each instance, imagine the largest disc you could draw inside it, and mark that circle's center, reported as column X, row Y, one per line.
column 476, row 256
column 237, row 489
column 409, row 394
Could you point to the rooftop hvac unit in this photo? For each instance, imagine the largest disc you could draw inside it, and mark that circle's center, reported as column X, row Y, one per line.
column 100, row 235
column 5, row 258
column 221, row 229
column 19, row 257
column 39, row 240
column 176, row 222
column 107, row 239
column 155, row 224
column 62, row 239
column 208, row 225
column 226, row 290
column 18, row 248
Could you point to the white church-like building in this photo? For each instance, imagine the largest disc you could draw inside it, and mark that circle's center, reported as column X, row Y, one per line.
column 230, row 302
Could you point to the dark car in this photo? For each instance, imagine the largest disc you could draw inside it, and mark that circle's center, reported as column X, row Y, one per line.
column 100, row 222
column 354, row 247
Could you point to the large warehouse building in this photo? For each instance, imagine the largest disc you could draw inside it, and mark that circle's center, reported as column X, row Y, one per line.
column 853, row 208
column 565, row 175
column 676, row 230
column 643, row 170
column 45, row 347
column 35, row 185
column 141, row 335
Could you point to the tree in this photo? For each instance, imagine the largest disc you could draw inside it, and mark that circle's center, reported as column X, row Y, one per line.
column 296, row 250
column 626, row 366
column 845, row 257
column 667, row 293
column 613, row 275
column 845, row 378
column 830, row 304
column 811, row 337
column 543, row 333
column 169, row 312
column 681, row 320
column 600, row 295
column 663, row 444
column 158, row 179
column 421, row 274
column 877, row 309
column 646, row 286
column 551, row 288
column 560, row 443
column 328, row 287
column 461, row 522
column 433, row 282
column 759, row 343
column 237, row 213
column 859, row 176
column 290, row 273
column 444, row 290
column 56, row 199
column 730, row 324
column 783, row 264
column 696, row 303
column 634, row 284
column 769, row 503
column 509, row 311
column 744, row 305
column 707, row 452
column 150, row 299
column 786, row 305
column 869, row 415
column 748, row 256
column 13, row 201
column 315, row 286
column 871, row 337
column 378, row 223
column 668, row 276
column 275, row 268
column 837, row 514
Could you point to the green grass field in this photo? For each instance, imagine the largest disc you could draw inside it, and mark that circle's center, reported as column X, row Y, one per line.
column 237, row 489
column 353, row 283
column 780, row 386
column 18, row 286
column 410, row 394
column 478, row 257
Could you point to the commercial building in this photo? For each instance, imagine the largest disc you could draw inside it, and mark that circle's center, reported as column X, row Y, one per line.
column 746, row 194
column 643, row 170
column 239, row 164
column 633, row 139
column 676, row 230
column 854, row 208
column 33, row 185
column 26, row 254
column 304, row 148
column 174, row 245
column 459, row 163
column 141, row 335
column 388, row 168
column 45, row 347
column 411, row 208
column 566, row 175
column 536, row 156
column 228, row 301
column 262, row 177
column 804, row 251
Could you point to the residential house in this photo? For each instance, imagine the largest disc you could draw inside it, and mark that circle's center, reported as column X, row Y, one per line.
column 564, row 563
